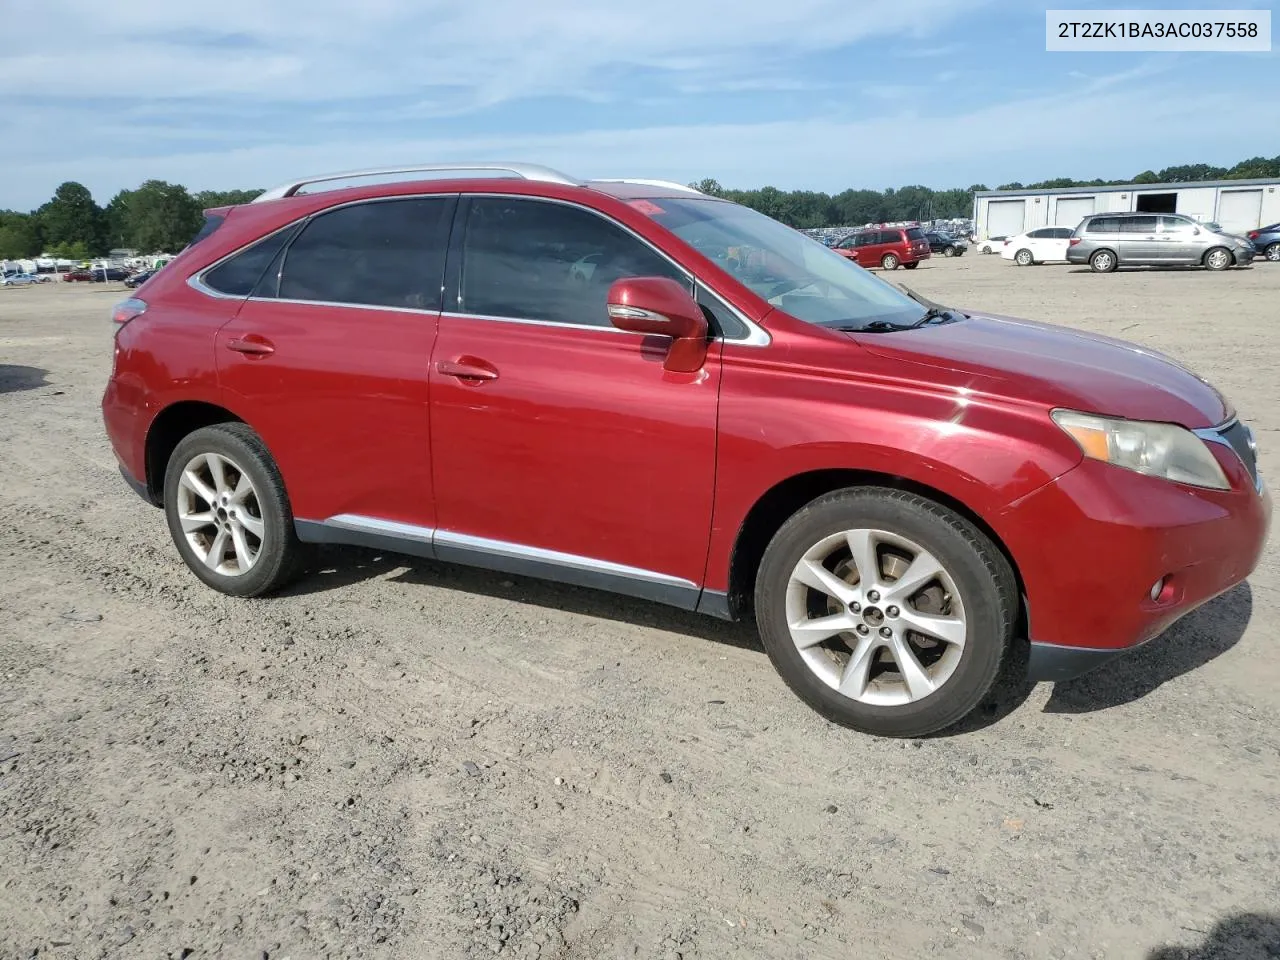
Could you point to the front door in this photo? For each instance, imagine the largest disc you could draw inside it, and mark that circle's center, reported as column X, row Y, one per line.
column 1178, row 241
column 560, row 445
column 328, row 360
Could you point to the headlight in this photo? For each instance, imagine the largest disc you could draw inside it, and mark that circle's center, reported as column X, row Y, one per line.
column 1156, row 449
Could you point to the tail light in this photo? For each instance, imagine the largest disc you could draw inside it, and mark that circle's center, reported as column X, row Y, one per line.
column 1254, row 234
column 127, row 310
column 1073, row 241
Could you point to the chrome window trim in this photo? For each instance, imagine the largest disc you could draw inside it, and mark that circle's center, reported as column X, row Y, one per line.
column 528, row 321
column 756, row 336
column 1218, row 435
column 503, row 548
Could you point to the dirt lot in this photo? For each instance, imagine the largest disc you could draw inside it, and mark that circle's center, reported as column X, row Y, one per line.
column 399, row 759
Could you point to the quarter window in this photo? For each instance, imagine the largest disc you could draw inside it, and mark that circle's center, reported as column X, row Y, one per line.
column 237, row 276
column 535, row 260
column 386, row 253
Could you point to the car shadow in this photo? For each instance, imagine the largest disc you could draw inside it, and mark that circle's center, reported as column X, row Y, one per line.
column 1189, row 644
column 14, row 378
column 1245, row 936
column 339, row 567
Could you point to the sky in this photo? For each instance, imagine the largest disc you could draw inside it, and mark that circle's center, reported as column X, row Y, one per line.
column 812, row 94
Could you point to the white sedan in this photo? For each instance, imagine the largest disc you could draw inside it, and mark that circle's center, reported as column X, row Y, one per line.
column 1042, row 245
column 990, row 245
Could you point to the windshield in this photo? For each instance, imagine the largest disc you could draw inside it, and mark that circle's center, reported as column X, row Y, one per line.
column 793, row 272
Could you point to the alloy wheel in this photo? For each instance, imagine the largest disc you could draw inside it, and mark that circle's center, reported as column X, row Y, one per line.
column 876, row 617
column 1273, row 252
column 220, row 514
column 1218, row 260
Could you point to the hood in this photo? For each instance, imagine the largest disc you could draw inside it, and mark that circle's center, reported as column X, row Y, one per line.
column 1058, row 367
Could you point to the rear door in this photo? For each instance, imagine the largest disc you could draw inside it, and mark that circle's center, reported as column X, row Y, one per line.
column 328, row 360
column 561, row 446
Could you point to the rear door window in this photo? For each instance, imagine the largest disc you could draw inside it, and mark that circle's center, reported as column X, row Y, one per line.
column 1138, row 225
column 383, row 253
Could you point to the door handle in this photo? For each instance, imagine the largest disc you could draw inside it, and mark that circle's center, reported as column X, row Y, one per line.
column 467, row 368
column 252, row 344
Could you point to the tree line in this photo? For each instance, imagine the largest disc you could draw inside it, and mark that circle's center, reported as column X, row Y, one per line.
column 160, row 217
column 809, row 208
column 157, row 217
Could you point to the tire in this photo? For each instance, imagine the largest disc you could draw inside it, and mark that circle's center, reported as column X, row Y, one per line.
column 1272, row 251
column 1218, row 258
column 910, row 266
column 889, row 261
column 1103, row 261
column 948, row 251
column 1024, row 258
column 261, row 514
column 975, row 581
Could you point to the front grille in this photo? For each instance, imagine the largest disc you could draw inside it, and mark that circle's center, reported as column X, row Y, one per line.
column 1240, row 439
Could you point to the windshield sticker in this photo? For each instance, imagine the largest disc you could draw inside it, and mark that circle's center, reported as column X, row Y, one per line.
column 647, row 207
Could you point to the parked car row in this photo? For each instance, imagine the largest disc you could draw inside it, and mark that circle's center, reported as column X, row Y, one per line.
column 97, row 275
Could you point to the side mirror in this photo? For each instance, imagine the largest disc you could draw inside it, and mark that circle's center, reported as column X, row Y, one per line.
column 662, row 307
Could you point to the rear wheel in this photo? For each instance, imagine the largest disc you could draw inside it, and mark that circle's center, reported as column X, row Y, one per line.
column 1104, row 261
column 1219, row 258
column 889, row 261
column 1023, row 258
column 1273, row 251
column 228, row 512
column 884, row 611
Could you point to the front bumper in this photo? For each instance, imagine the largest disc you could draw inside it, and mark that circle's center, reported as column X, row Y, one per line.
column 1092, row 545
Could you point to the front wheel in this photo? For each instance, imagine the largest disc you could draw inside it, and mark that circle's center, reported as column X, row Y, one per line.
column 885, row 611
column 889, row 261
column 1219, row 258
column 228, row 512
column 1023, row 258
column 948, row 251
column 1272, row 252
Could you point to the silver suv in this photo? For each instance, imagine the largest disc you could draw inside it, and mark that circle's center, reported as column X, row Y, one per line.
column 1106, row 241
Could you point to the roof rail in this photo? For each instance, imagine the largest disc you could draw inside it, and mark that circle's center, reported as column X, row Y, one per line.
column 522, row 171
column 669, row 184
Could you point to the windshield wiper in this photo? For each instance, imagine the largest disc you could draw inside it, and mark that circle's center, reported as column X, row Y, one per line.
column 874, row 326
column 941, row 314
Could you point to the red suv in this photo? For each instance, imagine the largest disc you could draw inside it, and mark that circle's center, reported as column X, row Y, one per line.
column 576, row 380
column 886, row 247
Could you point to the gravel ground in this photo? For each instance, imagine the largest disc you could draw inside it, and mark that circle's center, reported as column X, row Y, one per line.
column 398, row 759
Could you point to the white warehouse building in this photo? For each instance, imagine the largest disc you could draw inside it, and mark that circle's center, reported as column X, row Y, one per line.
column 1237, row 205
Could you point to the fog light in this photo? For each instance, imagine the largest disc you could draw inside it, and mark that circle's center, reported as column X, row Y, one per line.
column 1157, row 588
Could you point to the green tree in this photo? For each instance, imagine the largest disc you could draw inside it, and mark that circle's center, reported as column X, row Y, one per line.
column 160, row 216
column 72, row 217
column 206, row 199
column 1191, row 173
column 1255, row 167
column 19, row 235
column 1010, row 186
column 116, row 220
column 709, row 186
column 70, row 250
column 1147, row 176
